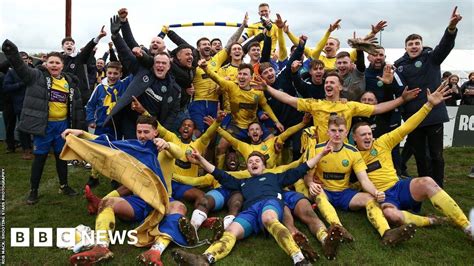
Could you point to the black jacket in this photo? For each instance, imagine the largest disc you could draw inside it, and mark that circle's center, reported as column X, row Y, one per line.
column 78, row 66
column 34, row 115
column 143, row 78
column 424, row 72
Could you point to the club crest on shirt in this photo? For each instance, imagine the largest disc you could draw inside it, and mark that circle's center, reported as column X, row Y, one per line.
column 373, row 152
column 345, row 162
column 264, row 147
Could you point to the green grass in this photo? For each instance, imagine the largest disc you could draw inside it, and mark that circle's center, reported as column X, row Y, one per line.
column 437, row 245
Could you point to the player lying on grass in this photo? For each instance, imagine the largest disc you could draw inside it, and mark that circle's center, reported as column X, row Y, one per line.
column 263, row 208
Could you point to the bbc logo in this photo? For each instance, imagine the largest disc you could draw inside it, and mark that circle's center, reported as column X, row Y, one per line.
column 78, row 237
column 42, row 237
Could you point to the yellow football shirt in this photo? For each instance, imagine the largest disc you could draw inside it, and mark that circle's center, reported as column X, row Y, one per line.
column 378, row 158
column 335, row 168
column 58, row 99
column 322, row 109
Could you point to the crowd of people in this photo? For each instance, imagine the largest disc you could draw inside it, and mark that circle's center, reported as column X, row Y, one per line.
column 265, row 137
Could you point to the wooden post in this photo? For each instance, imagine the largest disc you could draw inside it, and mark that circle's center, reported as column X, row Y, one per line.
column 68, row 18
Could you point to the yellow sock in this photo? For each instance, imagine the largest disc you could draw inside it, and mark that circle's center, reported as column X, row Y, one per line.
column 161, row 243
column 221, row 247
column 301, row 187
column 104, row 222
column 376, row 218
column 220, row 161
column 113, row 193
column 418, row 220
column 283, row 237
column 322, row 234
column 445, row 204
column 327, row 210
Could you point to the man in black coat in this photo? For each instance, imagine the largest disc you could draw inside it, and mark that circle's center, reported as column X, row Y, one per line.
column 420, row 67
column 77, row 62
column 153, row 90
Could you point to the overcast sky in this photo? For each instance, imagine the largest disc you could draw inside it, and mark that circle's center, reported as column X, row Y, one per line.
column 39, row 25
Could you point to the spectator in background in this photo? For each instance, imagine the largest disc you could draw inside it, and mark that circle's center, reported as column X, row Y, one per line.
column 420, row 67
column 467, row 91
column 100, row 74
column 455, row 90
column 77, row 63
column 216, row 46
column 14, row 89
column 446, row 75
column 354, row 78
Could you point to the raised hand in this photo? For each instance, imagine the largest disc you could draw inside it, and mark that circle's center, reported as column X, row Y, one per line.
column 303, row 39
column 245, row 22
column 165, row 29
column 379, row 26
column 409, row 95
column 279, row 21
column 111, row 45
column 267, row 24
column 367, row 44
column 102, row 32
column 335, row 26
column 442, row 93
column 327, row 149
column 114, row 25
column 208, row 120
column 122, row 13
column 260, row 82
column 455, row 18
column 295, row 66
column 137, row 52
column 9, row 47
column 387, row 77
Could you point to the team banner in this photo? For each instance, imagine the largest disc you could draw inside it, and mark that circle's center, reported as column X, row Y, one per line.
column 464, row 127
column 222, row 24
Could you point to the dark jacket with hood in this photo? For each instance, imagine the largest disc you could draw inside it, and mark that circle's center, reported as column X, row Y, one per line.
column 166, row 101
column 79, row 66
column 34, row 115
column 424, row 72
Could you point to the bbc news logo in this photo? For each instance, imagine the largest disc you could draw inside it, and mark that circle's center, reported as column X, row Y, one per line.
column 69, row 237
